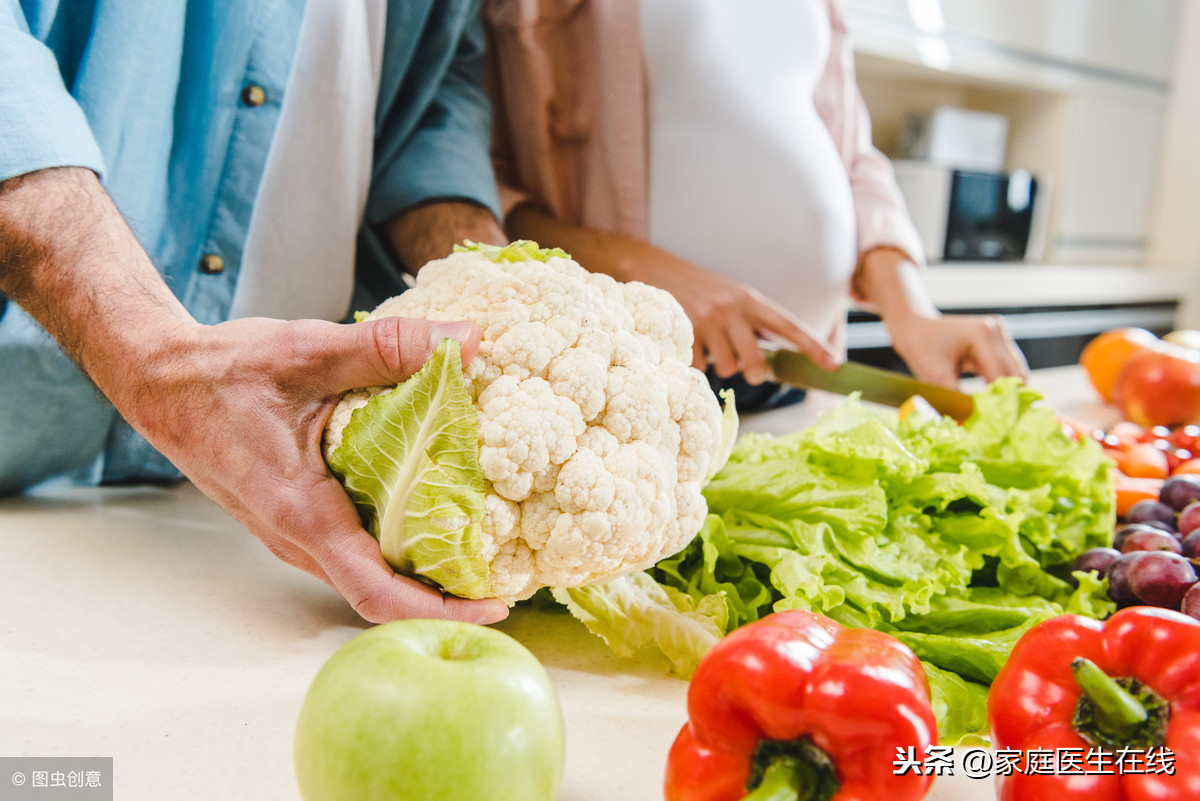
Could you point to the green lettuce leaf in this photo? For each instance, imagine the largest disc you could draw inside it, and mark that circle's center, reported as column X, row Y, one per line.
column 520, row 250
column 956, row 539
column 409, row 459
column 635, row 612
column 960, row 707
column 729, row 432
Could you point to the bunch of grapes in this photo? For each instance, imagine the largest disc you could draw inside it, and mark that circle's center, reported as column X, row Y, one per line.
column 1155, row 551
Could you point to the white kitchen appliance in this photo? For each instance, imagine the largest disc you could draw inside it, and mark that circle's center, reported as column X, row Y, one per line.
column 950, row 136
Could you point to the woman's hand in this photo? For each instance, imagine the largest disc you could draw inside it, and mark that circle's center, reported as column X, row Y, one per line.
column 729, row 318
column 939, row 349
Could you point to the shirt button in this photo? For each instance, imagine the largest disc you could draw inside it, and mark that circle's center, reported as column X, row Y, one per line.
column 254, row 95
column 211, row 263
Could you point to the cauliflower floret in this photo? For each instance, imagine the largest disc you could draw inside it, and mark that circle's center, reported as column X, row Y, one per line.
column 690, row 511
column 638, row 408
column 581, row 375
column 524, row 427
column 349, row 403
column 594, row 432
column 584, row 483
column 514, row 571
column 501, row 524
column 538, row 515
column 661, row 320
column 699, row 425
column 526, row 349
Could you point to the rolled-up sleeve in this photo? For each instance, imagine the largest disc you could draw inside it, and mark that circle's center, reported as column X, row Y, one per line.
column 433, row 124
column 41, row 125
column 881, row 215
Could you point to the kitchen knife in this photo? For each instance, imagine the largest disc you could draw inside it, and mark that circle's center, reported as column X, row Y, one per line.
column 876, row 385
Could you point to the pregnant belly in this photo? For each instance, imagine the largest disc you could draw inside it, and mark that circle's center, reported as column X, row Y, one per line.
column 772, row 211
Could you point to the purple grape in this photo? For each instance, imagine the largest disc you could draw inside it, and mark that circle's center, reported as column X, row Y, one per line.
column 1178, row 491
column 1161, row 526
column 1124, row 532
column 1096, row 560
column 1161, row 579
column 1189, row 519
column 1152, row 513
column 1151, row 541
column 1191, row 545
column 1190, row 605
column 1118, row 577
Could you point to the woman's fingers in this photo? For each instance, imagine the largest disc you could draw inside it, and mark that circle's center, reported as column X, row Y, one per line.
column 774, row 323
column 733, row 334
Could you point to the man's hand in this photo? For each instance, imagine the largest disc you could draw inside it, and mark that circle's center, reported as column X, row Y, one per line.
column 239, row 407
column 729, row 318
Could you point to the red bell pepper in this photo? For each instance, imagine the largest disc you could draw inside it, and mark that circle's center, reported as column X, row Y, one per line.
column 798, row 707
column 1122, row 697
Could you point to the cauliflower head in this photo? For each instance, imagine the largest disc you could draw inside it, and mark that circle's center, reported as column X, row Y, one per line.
column 571, row 450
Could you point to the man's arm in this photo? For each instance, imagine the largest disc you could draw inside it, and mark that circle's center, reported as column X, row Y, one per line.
column 194, row 391
column 68, row 258
column 430, row 231
column 433, row 184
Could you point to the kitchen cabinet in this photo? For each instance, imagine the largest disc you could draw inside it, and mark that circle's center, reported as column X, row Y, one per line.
column 1089, row 88
column 1108, row 178
column 1086, row 85
column 1111, row 36
column 146, row 625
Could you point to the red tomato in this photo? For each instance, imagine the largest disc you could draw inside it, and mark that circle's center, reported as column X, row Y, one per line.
column 1144, row 460
column 1186, row 437
column 1125, row 434
column 1175, row 456
column 1156, row 432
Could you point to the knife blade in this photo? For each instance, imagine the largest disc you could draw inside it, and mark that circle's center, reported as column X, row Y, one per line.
column 876, row 385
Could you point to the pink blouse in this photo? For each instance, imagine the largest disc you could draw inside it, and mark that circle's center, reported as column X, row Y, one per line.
column 567, row 83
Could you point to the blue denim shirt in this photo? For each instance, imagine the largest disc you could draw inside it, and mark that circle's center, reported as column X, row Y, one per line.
column 150, row 94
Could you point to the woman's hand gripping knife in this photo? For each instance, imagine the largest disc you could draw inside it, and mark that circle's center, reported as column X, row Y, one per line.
column 937, row 347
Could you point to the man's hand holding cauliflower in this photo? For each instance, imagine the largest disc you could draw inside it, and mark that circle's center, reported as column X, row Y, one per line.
column 571, row 450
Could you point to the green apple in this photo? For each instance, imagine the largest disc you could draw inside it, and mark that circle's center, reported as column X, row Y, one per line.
column 430, row 710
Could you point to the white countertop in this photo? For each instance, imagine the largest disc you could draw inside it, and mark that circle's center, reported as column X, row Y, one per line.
column 1049, row 302
column 146, row 625
column 1021, row 285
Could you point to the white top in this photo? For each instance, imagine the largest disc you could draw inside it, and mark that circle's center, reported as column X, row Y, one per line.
column 744, row 177
column 299, row 256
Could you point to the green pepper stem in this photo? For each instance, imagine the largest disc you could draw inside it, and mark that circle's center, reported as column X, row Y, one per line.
column 1116, row 710
column 783, row 780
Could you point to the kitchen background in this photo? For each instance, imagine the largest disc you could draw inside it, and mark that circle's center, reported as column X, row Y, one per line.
column 1099, row 101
